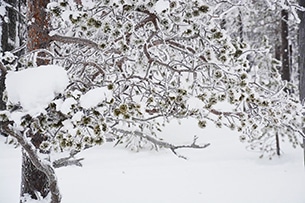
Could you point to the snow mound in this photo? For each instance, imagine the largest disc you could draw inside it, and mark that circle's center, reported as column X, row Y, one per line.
column 35, row 88
column 94, row 97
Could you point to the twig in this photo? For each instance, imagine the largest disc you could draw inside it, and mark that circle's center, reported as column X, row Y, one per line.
column 74, row 40
column 166, row 145
column 63, row 162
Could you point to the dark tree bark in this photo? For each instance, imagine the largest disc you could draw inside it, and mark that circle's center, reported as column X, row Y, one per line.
column 2, row 87
column 278, row 54
column 34, row 181
column 302, row 59
column 282, row 53
column 8, row 36
column 38, row 28
column 12, row 36
column 9, row 28
column 240, row 26
column 285, row 46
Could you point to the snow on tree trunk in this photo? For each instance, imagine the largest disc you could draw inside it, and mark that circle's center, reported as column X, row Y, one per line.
column 302, row 59
column 35, row 182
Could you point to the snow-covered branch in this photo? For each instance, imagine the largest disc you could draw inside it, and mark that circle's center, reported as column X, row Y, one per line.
column 74, row 40
column 162, row 144
column 66, row 161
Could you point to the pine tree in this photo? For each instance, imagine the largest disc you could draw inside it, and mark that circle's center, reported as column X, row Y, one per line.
column 35, row 182
column 146, row 64
column 302, row 58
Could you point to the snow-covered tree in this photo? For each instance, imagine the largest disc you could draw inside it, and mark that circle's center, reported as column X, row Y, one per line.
column 302, row 58
column 125, row 68
column 269, row 28
column 11, row 37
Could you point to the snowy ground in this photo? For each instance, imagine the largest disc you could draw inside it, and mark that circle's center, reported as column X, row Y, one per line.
column 223, row 172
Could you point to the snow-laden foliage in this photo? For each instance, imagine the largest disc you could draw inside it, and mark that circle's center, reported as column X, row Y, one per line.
column 34, row 88
column 259, row 24
column 134, row 65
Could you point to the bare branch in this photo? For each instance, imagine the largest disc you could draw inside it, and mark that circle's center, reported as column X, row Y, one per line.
column 176, row 45
column 66, row 162
column 218, row 113
column 63, row 162
column 74, row 40
column 172, row 147
column 151, row 18
column 160, row 143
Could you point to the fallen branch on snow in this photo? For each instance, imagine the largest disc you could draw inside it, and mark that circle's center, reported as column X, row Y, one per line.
column 164, row 144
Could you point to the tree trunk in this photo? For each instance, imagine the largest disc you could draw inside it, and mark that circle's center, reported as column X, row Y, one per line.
column 302, row 59
column 38, row 28
column 278, row 51
column 8, row 36
column 9, row 28
column 283, row 55
column 35, row 182
column 240, row 26
column 285, row 46
column 2, row 88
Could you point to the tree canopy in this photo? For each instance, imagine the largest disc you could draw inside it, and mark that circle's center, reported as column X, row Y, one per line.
column 134, row 65
column 149, row 60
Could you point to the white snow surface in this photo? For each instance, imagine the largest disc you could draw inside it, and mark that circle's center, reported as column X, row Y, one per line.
column 35, row 88
column 161, row 5
column 94, row 97
column 223, row 172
